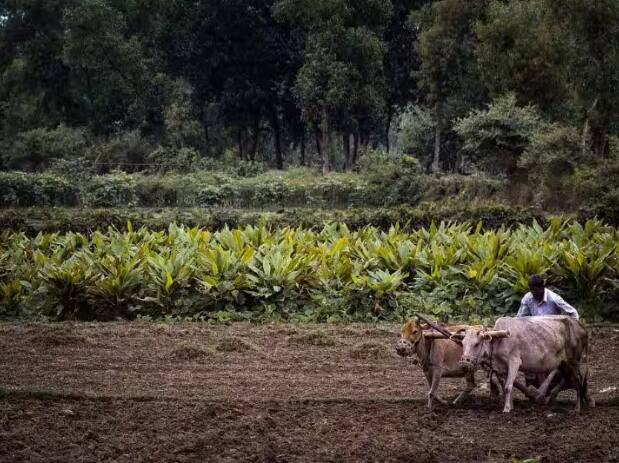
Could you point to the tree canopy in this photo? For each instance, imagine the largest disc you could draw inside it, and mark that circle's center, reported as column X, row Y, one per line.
column 293, row 82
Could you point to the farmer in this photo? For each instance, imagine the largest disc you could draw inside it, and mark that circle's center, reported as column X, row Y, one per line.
column 541, row 301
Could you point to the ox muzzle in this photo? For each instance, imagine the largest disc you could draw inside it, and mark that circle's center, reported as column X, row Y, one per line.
column 404, row 348
column 467, row 364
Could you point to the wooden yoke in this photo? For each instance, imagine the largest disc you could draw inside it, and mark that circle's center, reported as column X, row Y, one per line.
column 460, row 335
column 442, row 333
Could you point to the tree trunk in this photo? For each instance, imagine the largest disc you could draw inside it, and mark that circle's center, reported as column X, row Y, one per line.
column 599, row 140
column 437, row 141
column 303, row 146
column 255, row 137
column 239, row 138
column 346, row 147
column 586, row 128
column 279, row 158
column 326, row 143
column 387, row 141
column 318, row 147
column 355, row 148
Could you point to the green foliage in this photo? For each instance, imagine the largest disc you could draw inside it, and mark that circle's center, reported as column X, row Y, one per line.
column 522, row 50
column 328, row 274
column 35, row 220
column 121, row 151
column 38, row 148
column 416, row 133
column 497, row 136
column 397, row 179
column 553, row 154
column 21, row 189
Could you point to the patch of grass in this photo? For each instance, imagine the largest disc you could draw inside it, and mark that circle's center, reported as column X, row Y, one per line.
column 370, row 351
column 318, row 338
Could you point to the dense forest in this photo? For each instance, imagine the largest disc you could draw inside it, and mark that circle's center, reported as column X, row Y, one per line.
column 460, row 84
column 523, row 92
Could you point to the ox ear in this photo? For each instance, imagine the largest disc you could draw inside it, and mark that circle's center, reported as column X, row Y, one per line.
column 486, row 335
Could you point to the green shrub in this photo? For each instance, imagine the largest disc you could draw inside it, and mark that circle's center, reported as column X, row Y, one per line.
column 496, row 137
column 111, row 190
column 415, row 138
column 25, row 190
column 35, row 220
column 127, row 151
column 38, row 148
column 597, row 187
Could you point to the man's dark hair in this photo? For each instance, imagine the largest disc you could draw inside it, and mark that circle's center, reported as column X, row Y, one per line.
column 536, row 281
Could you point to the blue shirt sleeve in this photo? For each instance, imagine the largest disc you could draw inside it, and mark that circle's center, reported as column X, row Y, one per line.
column 524, row 310
column 564, row 307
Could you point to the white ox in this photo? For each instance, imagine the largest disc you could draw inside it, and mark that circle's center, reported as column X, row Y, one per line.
column 548, row 346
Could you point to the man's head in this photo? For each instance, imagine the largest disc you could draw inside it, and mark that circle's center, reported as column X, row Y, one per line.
column 537, row 287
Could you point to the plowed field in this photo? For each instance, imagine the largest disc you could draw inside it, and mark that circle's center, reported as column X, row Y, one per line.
column 132, row 392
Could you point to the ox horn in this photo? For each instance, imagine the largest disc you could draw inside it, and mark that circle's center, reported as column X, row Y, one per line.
column 492, row 334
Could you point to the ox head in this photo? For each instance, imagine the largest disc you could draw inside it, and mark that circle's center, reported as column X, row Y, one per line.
column 411, row 334
column 476, row 348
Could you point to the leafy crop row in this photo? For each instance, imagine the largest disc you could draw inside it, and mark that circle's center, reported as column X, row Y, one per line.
column 333, row 274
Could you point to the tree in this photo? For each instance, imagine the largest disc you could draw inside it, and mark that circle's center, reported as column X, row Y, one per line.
column 496, row 137
column 339, row 87
column 448, row 74
column 592, row 29
column 562, row 56
column 241, row 62
column 35, row 84
column 401, row 60
column 119, row 83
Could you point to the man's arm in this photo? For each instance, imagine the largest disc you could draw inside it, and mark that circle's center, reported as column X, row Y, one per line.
column 524, row 310
column 564, row 306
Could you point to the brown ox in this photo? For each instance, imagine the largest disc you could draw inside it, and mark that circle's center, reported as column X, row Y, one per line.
column 437, row 357
column 546, row 346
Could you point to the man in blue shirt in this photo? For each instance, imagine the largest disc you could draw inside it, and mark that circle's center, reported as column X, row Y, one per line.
column 541, row 301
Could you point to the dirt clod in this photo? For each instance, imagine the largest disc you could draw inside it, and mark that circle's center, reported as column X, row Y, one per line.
column 188, row 351
column 318, row 338
column 370, row 351
column 233, row 345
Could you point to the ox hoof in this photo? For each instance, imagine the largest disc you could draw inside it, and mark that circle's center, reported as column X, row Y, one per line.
column 507, row 410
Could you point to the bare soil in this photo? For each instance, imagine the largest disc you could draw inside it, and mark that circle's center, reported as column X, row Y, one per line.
column 134, row 392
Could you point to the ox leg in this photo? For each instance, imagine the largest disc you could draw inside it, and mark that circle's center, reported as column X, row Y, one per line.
column 578, row 381
column 543, row 389
column 528, row 391
column 436, row 374
column 470, row 385
column 555, row 391
column 496, row 386
column 512, row 372
column 538, row 395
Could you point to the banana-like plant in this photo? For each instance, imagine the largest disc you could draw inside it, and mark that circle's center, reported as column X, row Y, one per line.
column 120, row 280
column 276, row 272
column 65, row 288
column 166, row 274
column 222, row 276
column 10, row 295
column 341, row 273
